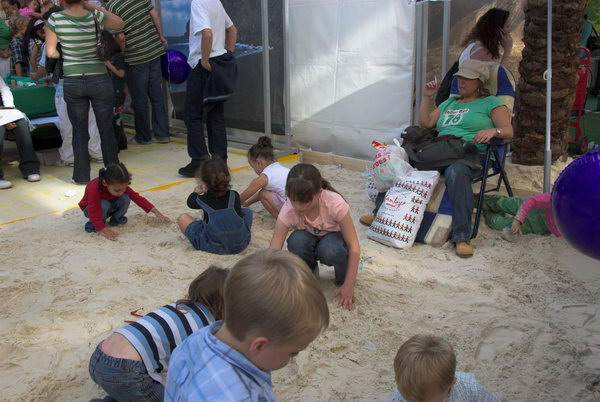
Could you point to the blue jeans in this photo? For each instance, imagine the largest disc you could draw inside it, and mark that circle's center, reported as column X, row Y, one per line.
column 458, row 179
column 145, row 82
column 28, row 161
column 115, row 210
column 123, row 379
column 193, row 117
column 79, row 92
column 330, row 249
column 223, row 234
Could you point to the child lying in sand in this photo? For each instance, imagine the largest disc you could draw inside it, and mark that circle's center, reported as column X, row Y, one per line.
column 127, row 364
column 425, row 368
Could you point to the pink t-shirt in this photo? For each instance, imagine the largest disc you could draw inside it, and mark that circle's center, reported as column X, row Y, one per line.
column 26, row 12
column 332, row 209
column 543, row 201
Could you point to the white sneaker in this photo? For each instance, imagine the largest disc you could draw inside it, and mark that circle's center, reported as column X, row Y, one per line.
column 4, row 184
column 98, row 160
column 34, row 177
column 64, row 163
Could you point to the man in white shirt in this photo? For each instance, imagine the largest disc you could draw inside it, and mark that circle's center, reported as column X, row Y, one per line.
column 212, row 36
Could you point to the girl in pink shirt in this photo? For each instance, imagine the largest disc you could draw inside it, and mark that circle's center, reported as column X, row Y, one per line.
column 31, row 9
column 530, row 215
column 322, row 229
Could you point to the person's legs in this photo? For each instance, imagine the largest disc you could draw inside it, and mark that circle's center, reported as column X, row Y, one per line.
column 5, row 183
column 332, row 250
column 193, row 116
column 248, row 218
column 137, row 77
column 378, row 201
column 268, row 200
column 101, row 94
column 118, row 209
column 215, row 127
column 28, row 160
column 94, row 146
column 106, row 206
column 497, row 221
column 303, row 244
column 66, row 130
column 78, row 106
column 502, row 204
column 160, row 118
column 460, row 192
column 123, row 379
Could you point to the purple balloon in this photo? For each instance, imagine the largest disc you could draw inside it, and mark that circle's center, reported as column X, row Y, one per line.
column 576, row 203
column 175, row 67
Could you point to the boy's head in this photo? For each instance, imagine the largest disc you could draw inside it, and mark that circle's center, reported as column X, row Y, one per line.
column 424, row 368
column 274, row 307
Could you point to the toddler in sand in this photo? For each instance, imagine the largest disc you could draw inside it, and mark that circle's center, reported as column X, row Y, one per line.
column 127, row 364
column 269, row 186
column 274, row 309
column 321, row 226
column 225, row 227
column 425, row 368
column 108, row 196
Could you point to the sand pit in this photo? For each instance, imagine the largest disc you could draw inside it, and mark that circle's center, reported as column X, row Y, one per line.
column 524, row 317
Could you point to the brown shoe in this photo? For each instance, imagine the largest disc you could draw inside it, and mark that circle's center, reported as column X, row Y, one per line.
column 464, row 249
column 367, row 220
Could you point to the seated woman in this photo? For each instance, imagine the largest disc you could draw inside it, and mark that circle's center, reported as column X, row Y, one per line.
column 476, row 118
column 28, row 161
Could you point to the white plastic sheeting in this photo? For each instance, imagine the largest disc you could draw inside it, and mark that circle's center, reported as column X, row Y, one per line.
column 351, row 73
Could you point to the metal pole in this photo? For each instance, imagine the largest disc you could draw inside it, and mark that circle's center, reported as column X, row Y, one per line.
column 266, row 67
column 548, row 78
column 421, row 18
column 445, row 37
column 286, row 74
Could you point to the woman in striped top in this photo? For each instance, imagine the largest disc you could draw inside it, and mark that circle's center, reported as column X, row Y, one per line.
column 129, row 363
column 86, row 78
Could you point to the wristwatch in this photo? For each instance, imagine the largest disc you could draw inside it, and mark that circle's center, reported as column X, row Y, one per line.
column 498, row 132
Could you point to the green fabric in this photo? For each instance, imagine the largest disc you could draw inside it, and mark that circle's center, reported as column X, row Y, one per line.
column 34, row 101
column 497, row 207
column 77, row 36
column 142, row 42
column 467, row 119
column 4, row 35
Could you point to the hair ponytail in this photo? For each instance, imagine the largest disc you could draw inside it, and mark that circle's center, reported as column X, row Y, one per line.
column 114, row 173
column 215, row 174
column 262, row 149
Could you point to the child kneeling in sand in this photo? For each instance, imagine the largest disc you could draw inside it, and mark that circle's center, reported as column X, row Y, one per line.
column 269, row 186
column 274, row 309
column 225, row 228
column 108, row 196
column 425, row 368
column 127, row 364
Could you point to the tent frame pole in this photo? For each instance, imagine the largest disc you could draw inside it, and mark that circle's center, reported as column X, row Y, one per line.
column 548, row 78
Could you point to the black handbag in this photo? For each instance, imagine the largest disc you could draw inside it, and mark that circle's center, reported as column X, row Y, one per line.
column 437, row 153
column 103, row 38
column 593, row 42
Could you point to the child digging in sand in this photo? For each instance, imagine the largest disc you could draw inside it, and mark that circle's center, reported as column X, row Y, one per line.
column 108, row 196
column 425, row 368
column 225, row 228
column 274, row 309
column 127, row 364
column 269, row 186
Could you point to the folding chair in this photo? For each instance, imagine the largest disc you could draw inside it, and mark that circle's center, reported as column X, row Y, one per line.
column 502, row 85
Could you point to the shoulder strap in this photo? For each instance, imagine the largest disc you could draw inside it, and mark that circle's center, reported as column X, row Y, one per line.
column 204, row 206
column 231, row 201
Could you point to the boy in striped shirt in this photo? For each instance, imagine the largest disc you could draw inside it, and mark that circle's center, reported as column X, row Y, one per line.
column 129, row 363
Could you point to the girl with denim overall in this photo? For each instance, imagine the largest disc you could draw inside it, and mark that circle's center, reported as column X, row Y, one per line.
column 225, row 228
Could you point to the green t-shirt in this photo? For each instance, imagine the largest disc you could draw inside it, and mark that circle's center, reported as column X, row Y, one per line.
column 464, row 120
column 77, row 36
column 4, row 35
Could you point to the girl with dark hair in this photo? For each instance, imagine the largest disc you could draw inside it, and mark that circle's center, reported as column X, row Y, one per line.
column 108, row 196
column 490, row 33
column 322, row 228
column 124, row 364
column 32, row 44
column 225, row 228
column 269, row 186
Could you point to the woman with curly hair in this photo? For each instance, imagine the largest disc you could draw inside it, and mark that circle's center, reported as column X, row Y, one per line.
column 490, row 33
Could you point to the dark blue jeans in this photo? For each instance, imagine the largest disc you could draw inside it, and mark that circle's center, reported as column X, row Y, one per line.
column 123, row 379
column 145, row 82
column 79, row 92
column 330, row 249
column 114, row 209
column 193, row 117
column 28, row 161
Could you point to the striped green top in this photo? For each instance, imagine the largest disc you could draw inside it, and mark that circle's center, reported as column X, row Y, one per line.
column 77, row 36
column 142, row 42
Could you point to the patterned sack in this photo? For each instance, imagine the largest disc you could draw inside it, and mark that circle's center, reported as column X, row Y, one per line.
column 400, row 215
column 389, row 163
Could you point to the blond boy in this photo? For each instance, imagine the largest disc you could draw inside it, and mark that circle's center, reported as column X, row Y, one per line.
column 274, row 309
column 425, row 368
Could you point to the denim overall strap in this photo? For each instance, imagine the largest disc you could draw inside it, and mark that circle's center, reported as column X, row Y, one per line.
column 204, row 206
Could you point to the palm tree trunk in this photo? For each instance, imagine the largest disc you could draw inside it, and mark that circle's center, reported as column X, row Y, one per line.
column 530, row 125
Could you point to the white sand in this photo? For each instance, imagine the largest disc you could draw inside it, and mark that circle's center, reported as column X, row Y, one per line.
column 523, row 317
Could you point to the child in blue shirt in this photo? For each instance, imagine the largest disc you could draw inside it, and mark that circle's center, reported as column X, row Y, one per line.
column 225, row 228
column 274, row 308
column 425, row 368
